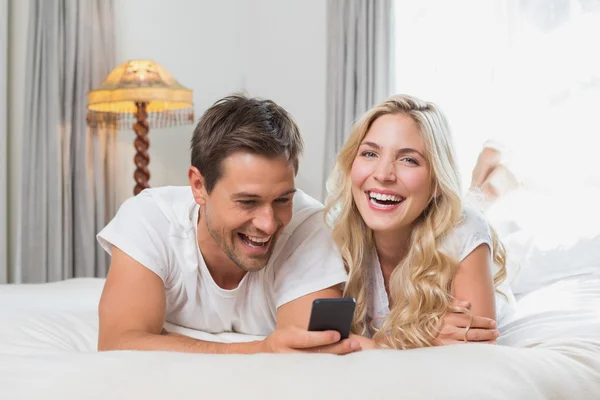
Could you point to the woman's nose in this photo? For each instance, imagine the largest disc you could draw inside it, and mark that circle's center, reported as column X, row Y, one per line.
column 385, row 172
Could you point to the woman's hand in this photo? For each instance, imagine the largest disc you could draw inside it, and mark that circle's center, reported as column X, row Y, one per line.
column 459, row 327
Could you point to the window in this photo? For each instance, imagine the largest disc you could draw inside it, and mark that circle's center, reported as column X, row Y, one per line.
column 524, row 73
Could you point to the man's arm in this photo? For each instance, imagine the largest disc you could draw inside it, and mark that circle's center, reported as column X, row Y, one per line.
column 132, row 314
column 297, row 312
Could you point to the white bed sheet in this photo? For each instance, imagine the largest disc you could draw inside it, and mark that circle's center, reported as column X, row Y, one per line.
column 550, row 350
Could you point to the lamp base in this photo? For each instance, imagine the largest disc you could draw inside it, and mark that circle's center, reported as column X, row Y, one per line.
column 141, row 144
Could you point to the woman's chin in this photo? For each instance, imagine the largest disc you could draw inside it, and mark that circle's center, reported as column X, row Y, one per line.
column 385, row 224
column 381, row 226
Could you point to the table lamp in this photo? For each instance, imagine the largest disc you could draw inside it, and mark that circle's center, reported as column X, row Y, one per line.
column 144, row 92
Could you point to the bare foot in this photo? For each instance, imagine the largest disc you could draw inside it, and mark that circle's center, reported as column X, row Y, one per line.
column 491, row 177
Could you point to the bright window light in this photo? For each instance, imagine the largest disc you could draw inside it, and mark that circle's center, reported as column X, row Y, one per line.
column 522, row 73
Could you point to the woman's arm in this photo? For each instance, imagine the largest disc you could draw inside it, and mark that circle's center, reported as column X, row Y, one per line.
column 474, row 282
column 473, row 286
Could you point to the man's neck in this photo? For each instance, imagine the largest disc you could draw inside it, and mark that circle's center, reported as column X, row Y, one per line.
column 226, row 274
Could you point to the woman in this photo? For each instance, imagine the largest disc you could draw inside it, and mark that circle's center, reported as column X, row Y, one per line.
column 409, row 242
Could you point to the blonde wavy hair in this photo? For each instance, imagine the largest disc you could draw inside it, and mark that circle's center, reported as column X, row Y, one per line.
column 420, row 284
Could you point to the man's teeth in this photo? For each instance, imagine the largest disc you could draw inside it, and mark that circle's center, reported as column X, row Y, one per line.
column 385, row 197
column 259, row 240
column 254, row 241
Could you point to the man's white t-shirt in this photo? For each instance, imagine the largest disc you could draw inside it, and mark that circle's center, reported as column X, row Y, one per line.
column 471, row 232
column 158, row 229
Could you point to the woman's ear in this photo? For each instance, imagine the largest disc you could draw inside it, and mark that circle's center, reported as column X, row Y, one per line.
column 436, row 192
column 198, row 185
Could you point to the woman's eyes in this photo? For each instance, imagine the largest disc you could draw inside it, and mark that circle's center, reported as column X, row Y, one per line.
column 368, row 154
column 410, row 160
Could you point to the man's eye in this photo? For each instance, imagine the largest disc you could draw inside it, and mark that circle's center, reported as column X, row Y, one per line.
column 246, row 202
column 283, row 200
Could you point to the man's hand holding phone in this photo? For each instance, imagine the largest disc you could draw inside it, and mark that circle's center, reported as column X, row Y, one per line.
column 328, row 331
column 297, row 340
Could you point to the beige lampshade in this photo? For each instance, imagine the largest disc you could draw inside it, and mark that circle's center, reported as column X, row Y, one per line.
column 142, row 81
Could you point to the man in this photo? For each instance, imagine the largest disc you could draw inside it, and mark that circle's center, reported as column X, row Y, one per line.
column 240, row 250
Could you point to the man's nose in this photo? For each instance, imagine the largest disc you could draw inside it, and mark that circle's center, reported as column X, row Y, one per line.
column 265, row 220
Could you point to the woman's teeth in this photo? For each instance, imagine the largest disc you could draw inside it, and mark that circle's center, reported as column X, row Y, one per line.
column 384, row 199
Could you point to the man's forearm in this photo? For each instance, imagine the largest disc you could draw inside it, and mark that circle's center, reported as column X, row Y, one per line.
column 175, row 342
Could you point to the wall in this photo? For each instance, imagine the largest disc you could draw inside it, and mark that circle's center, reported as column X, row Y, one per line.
column 286, row 61
column 269, row 48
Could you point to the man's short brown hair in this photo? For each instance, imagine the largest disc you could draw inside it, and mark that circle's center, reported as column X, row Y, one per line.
column 239, row 123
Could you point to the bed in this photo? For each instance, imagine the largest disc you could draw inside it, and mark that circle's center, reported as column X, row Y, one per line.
column 549, row 349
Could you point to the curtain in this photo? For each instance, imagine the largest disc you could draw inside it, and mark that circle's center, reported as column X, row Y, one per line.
column 3, row 141
column 67, row 188
column 359, row 66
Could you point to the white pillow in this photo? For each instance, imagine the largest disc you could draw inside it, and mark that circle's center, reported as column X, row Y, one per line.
column 62, row 317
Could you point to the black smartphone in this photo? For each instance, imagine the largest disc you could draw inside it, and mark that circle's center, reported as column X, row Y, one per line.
column 332, row 315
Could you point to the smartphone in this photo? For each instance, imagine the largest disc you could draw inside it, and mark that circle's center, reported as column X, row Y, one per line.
column 332, row 315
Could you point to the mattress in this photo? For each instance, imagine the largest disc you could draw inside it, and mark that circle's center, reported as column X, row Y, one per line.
column 550, row 349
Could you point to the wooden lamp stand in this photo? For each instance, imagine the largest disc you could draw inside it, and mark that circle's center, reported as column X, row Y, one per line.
column 141, row 144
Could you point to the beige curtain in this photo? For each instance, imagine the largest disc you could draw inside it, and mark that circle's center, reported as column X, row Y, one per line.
column 359, row 65
column 67, row 169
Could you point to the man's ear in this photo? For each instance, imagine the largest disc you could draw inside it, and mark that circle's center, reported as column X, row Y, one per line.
column 198, row 186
